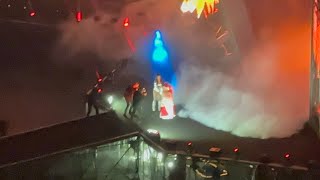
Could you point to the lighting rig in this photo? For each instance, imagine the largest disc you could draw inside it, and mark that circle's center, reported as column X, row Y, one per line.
column 111, row 74
column 110, row 77
column 50, row 12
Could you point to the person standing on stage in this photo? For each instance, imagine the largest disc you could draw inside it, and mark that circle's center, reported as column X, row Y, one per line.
column 128, row 96
column 92, row 100
column 136, row 100
column 167, row 103
column 157, row 93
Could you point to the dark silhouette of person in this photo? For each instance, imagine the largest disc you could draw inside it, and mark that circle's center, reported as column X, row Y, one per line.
column 3, row 127
column 128, row 96
column 92, row 100
column 136, row 100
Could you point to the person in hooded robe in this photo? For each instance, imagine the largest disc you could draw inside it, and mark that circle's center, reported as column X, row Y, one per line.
column 167, row 110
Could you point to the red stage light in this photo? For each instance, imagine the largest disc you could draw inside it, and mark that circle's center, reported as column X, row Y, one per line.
column 100, row 80
column 126, row 22
column 32, row 13
column 79, row 16
column 287, row 155
column 190, row 148
column 99, row 90
column 236, row 150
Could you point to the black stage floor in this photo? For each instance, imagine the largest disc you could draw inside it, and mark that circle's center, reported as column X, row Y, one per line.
column 302, row 147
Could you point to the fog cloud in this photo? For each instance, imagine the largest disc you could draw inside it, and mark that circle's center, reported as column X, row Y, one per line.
column 260, row 93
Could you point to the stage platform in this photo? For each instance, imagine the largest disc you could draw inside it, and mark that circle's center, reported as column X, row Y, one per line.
column 109, row 127
column 63, row 137
column 302, row 147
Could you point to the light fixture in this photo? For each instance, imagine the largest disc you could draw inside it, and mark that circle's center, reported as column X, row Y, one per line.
column 170, row 164
column 126, row 22
column 78, row 16
column 32, row 13
column 190, row 148
column 110, row 99
column 154, row 135
column 287, row 156
column 215, row 152
column 152, row 131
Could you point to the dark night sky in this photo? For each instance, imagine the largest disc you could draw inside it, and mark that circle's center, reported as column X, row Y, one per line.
column 36, row 90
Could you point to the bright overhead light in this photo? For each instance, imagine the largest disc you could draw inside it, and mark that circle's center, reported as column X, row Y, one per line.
column 152, row 131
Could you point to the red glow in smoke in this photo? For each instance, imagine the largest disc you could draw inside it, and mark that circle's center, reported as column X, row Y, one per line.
column 130, row 43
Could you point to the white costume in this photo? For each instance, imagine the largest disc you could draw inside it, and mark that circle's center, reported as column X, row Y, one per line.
column 167, row 105
column 157, row 95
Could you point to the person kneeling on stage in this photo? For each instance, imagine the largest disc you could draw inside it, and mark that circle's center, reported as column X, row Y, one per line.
column 157, row 93
column 92, row 100
column 128, row 96
column 136, row 101
column 167, row 105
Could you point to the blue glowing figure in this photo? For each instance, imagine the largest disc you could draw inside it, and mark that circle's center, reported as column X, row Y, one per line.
column 159, row 54
column 158, row 34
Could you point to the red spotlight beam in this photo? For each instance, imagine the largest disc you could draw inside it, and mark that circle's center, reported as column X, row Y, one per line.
column 130, row 43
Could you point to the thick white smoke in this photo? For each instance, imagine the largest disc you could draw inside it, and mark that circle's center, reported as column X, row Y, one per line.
column 262, row 100
column 264, row 94
column 267, row 95
column 103, row 33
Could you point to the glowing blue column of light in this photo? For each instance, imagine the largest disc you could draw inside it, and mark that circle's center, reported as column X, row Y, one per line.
column 159, row 52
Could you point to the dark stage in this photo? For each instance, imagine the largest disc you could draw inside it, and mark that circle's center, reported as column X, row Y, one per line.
column 42, row 84
column 175, row 135
column 302, row 147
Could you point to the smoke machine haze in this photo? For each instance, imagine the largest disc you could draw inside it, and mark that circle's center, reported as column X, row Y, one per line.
column 264, row 94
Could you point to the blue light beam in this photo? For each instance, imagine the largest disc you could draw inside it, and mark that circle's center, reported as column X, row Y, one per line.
column 159, row 54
